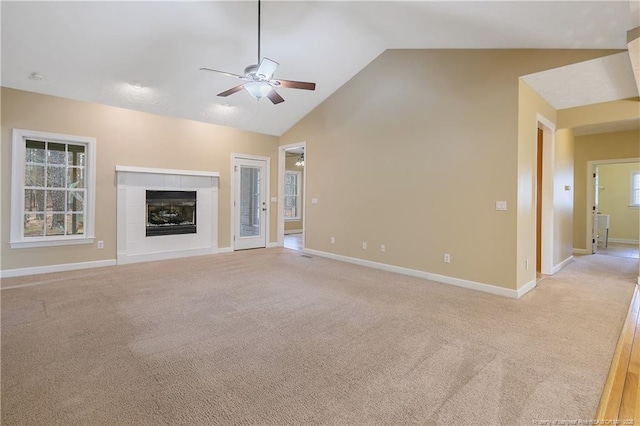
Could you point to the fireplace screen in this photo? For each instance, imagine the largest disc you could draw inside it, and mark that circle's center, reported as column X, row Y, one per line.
column 171, row 212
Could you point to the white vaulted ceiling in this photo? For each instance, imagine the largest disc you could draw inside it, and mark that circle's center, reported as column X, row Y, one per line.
column 92, row 51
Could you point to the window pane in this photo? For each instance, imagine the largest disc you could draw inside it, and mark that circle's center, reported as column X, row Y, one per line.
column 35, row 152
column 55, row 177
column 56, row 153
column 55, row 224
column 75, row 224
column 76, row 201
column 34, row 176
column 75, row 177
column 33, row 200
column 33, row 225
column 56, row 201
column 76, row 155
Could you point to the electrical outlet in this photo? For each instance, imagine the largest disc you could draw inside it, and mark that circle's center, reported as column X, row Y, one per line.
column 447, row 258
column 382, row 248
column 333, row 240
column 364, row 245
column 100, row 245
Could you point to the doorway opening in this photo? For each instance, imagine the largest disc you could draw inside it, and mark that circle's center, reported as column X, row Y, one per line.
column 544, row 196
column 292, row 165
column 614, row 207
column 539, row 167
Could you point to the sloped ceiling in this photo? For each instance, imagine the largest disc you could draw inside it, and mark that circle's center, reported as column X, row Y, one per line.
column 92, row 51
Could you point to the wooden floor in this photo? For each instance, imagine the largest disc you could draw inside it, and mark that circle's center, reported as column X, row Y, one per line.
column 293, row 241
column 620, row 401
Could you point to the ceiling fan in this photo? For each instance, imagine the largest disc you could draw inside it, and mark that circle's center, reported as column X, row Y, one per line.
column 259, row 81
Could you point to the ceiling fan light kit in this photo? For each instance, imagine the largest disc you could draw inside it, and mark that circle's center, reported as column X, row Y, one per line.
column 259, row 78
column 257, row 89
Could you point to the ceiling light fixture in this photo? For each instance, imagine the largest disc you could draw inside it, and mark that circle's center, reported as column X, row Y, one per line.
column 258, row 89
column 300, row 162
column 136, row 85
column 36, row 76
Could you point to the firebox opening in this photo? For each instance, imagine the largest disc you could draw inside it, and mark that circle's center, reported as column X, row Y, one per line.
column 171, row 212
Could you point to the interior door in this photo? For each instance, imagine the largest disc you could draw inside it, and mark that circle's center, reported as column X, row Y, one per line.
column 594, row 211
column 250, row 203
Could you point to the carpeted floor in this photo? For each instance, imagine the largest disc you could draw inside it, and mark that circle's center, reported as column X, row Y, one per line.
column 271, row 337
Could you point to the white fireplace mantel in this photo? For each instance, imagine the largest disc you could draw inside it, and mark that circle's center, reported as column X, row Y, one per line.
column 131, row 169
column 133, row 245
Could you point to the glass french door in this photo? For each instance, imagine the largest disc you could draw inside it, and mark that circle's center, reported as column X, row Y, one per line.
column 250, row 203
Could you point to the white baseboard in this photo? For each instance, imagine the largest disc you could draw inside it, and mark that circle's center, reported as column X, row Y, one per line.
column 623, row 241
column 271, row 245
column 526, row 288
column 124, row 258
column 561, row 265
column 580, row 251
column 293, row 231
column 487, row 288
column 21, row 272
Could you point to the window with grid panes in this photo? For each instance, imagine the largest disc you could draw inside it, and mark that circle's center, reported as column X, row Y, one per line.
column 635, row 189
column 53, row 177
column 292, row 197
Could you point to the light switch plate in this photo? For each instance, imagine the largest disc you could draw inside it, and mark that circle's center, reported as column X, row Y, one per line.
column 314, row 201
column 274, row 199
column 501, row 205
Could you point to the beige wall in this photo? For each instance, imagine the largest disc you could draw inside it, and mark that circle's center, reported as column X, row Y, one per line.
column 290, row 164
column 615, row 179
column 124, row 137
column 563, row 189
column 603, row 146
column 436, row 135
column 530, row 107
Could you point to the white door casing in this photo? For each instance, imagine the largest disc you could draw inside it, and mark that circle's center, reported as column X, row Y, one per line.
column 281, row 171
column 250, row 181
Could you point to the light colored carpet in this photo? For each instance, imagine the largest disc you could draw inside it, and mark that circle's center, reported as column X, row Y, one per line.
column 271, row 337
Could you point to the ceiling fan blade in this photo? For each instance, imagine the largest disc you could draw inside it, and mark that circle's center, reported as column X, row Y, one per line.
column 296, row 84
column 231, row 91
column 222, row 72
column 275, row 97
column 266, row 68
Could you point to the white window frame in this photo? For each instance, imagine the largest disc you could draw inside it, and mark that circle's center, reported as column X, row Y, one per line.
column 17, row 239
column 298, row 194
column 633, row 201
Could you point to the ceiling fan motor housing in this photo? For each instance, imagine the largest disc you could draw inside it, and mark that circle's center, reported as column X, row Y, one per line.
column 250, row 71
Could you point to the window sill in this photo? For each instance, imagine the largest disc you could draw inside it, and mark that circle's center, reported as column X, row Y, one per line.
column 50, row 242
